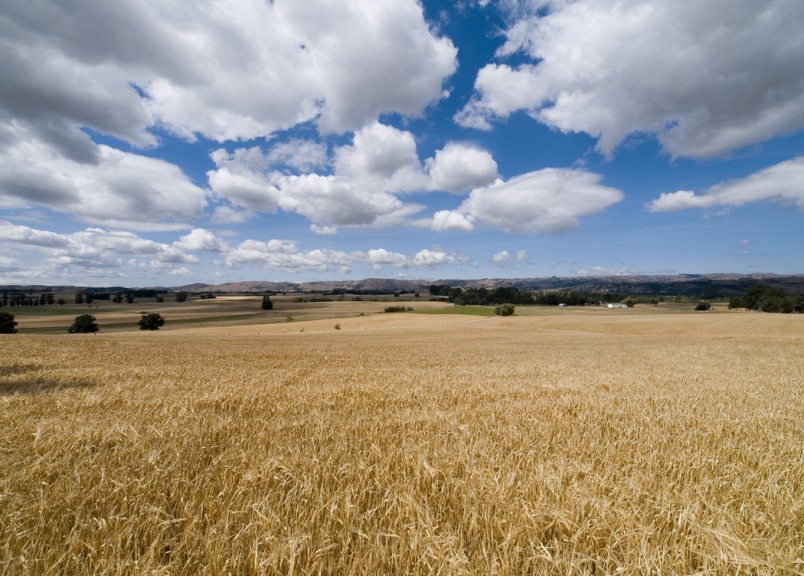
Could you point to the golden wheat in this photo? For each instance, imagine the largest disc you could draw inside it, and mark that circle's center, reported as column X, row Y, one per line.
column 573, row 444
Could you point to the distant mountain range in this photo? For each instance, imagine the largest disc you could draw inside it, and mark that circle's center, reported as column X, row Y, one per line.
column 700, row 285
column 696, row 285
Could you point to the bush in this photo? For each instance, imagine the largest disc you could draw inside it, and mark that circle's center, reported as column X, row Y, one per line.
column 83, row 324
column 703, row 306
column 151, row 321
column 398, row 309
column 266, row 303
column 504, row 310
column 7, row 323
column 181, row 296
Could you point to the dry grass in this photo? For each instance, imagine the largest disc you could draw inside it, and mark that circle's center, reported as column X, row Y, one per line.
column 580, row 443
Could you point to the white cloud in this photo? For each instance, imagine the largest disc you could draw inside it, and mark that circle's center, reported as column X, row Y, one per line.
column 230, row 70
column 504, row 257
column 446, row 220
column 76, row 254
column 460, row 167
column 545, row 201
column 121, row 189
column 201, row 239
column 302, row 155
column 426, row 258
column 381, row 157
column 706, row 78
column 381, row 162
column 288, row 257
column 500, row 257
column 781, row 182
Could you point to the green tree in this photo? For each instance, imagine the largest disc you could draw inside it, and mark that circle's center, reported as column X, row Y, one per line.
column 181, row 296
column 703, row 306
column 83, row 324
column 7, row 323
column 266, row 303
column 504, row 310
column 151, row 321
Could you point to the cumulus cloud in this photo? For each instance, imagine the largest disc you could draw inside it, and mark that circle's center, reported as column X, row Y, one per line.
column 781, row 182
column 504, row 257
column 176, row 65
column 121, row 189
column 360, row 186
column 500, row 257
column 426, row 258
column 460, row 167
column 201, row 239
column 361, row 190
column 288, row 257
column 546, row 201
column 724, row 75
column 91, row 249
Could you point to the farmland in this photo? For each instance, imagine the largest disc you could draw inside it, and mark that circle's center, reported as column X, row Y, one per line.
column 578, row 441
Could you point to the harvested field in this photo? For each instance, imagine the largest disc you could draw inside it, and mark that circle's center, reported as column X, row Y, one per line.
column 587, row 442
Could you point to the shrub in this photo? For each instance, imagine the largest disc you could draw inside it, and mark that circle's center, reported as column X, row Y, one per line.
column 266, row 303
column 398, row 309
column 83, row 324
column 504, row 310
column 7, row 323
column 337, row 326
column 151, row 321
column 703, row 306
column 181, row 296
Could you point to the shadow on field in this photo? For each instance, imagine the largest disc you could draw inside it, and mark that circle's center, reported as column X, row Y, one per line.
column 24, row 379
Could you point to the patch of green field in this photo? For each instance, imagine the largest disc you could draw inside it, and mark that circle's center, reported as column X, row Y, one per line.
column 466, row 310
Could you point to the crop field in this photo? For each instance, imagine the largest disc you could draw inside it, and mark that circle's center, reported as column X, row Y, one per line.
column 584, row 441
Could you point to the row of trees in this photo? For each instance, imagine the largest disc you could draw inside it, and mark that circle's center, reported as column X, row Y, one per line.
column 84, row 323
column 758, row 297
column 20, row 299
column 14, row 298
column 513, row 295
column 768, row 299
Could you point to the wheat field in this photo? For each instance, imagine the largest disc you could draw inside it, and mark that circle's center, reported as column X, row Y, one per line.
column 586, row 442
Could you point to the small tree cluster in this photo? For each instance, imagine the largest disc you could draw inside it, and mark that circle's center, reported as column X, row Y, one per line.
column 83, row 324
column 505, row 310
column 151, row 321
column 398, row 309
column 7, row 323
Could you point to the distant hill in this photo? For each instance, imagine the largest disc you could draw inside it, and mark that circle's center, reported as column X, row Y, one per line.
column 698, row 285
column 693, row 285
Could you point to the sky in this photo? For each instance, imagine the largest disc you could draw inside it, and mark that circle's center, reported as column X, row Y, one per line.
column 163, row 142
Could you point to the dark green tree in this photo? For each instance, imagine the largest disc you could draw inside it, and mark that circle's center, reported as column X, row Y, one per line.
column 181, row 296
column 151, row 321
column 7, row 323
column 266, row 303
column 83, row 324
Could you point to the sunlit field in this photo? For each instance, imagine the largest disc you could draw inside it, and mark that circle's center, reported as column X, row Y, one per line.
column 579, row 441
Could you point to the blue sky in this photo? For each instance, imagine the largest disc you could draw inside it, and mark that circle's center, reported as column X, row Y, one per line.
column 163, row 143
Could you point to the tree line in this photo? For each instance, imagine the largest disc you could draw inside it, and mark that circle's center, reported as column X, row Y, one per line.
column 759, row 297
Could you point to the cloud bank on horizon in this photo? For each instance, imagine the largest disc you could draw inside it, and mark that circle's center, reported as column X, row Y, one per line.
column 153, row 142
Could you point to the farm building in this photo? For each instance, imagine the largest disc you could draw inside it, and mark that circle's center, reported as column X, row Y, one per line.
column 617, row 305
